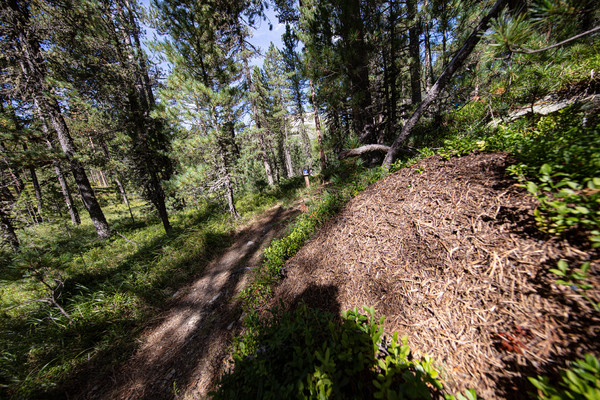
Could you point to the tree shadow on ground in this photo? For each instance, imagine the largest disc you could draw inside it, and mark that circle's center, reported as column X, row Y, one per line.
column 184, row 344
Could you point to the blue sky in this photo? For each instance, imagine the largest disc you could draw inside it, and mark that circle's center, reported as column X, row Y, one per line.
column 261, row 38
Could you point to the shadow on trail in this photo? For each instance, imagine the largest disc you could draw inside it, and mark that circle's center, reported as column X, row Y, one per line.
column 184, row 349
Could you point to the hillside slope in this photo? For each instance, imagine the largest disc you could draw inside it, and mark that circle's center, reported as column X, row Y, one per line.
column 449, row 252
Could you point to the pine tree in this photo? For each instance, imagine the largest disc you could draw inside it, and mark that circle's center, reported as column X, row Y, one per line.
column 204, row 51
column 21, row 42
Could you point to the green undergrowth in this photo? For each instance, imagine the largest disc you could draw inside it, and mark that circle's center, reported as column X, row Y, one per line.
column 312, row 354
column 581, row 381
column 70, row 302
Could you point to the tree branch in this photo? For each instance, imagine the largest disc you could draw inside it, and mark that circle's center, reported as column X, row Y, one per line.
column 524, row 50
column 362, row 150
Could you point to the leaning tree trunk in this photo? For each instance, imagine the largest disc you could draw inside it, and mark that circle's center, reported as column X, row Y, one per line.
column 38, row 193
column 49, row 109
column 36, row 188
column 62, row 181
column 442, row 81
column 66, row 192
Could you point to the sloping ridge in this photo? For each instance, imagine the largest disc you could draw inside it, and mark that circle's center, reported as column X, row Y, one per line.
column 449, row 252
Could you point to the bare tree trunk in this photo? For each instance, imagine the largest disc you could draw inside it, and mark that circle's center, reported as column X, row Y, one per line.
column 393, row 74
column 313, row 96
column 442, row 81
column 38, row 193
column 286, row 150
column 64, row 187
column 66, row 192
column 427, row 48
column 413, row 51
column 303, row 133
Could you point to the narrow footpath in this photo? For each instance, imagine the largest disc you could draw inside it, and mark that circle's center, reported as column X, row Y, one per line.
column 180, row 356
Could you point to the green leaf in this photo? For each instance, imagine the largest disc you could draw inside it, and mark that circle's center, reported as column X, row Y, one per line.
column 532, row 187
column 546, row 169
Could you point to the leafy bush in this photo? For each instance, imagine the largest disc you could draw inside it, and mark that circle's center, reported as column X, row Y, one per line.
column 560, row 166
column 312, row 354
column 580, row 382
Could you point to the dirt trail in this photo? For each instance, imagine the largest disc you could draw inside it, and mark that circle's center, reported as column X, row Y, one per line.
column 182, row 354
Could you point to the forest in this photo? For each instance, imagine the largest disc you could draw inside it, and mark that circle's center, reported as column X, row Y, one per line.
column 402, row 200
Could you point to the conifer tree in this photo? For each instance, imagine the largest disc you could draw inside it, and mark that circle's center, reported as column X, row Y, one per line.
column 205, row 55
column 21, row 41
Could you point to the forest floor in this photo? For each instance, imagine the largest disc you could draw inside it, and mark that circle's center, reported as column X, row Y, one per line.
column 447, row 250
column 182, row 351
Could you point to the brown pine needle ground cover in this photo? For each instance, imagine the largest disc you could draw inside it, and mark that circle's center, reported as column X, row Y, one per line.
column 449, row 252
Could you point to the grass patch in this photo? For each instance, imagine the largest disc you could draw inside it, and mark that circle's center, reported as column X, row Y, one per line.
column 71, row 303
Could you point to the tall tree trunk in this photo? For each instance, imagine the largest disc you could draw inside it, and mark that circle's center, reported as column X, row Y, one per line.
column 286, row 149
column 141, row 102
column 62, row 181
column 413, row 52
column 356, row 59
column 222, row 159
column 36, row 187
column 313, row 96
column 443, row 80
column 303, row 132
column 427, row 50
column 66, row 192
column 393, row 73
column 38, row 193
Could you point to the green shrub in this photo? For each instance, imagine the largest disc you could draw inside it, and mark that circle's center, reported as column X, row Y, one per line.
column 312, row 354
column 580, row 382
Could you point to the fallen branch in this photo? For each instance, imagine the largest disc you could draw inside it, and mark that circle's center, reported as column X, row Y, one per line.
column 362, row 150
column 525, row 50
column 130, row 241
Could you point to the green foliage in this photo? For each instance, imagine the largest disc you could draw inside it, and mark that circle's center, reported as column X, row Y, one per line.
column 576, row 279
column 73, row 302
column 560, row 166
column 580, row 382
column 565, row 203
column 312, row 354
